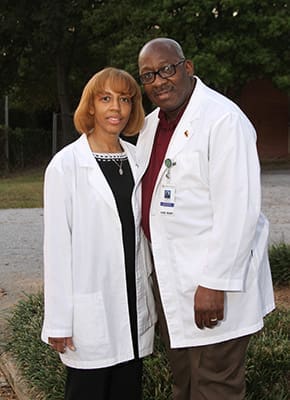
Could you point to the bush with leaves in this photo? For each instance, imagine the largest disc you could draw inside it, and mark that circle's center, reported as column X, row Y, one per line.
column 279, row 255
column 268, row 362
column 267, row 372
column 157, row 379
column 39, row 365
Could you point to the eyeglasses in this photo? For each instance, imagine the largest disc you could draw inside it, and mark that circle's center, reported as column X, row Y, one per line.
column 165, row 72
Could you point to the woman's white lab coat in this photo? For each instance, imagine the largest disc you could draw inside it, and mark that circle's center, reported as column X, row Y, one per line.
column 85, row 283
column 210, row 232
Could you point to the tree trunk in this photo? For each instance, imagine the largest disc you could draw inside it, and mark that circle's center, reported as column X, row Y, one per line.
column 67, row 133
column 6, row 137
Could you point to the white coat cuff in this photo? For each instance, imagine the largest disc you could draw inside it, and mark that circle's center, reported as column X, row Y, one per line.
column 220, row 284
column 55, row 333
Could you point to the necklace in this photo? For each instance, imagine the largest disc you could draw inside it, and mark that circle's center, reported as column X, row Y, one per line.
column 119, row 165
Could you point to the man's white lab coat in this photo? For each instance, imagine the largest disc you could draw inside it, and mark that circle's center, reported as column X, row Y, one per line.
column 205, row 220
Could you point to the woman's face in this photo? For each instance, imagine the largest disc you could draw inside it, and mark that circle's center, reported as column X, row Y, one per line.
column 111, row 111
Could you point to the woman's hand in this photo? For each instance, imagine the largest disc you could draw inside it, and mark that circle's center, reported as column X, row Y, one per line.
column 60, row 344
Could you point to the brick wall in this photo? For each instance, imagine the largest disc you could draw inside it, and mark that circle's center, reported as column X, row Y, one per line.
column 268, row 109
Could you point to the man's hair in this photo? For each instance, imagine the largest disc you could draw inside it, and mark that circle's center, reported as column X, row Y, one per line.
column 171, row 44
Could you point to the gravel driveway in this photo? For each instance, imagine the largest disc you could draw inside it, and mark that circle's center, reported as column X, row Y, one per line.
column 276, row 204
column 21, row 232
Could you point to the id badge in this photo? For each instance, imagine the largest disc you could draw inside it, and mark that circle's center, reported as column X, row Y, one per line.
column 167, row 201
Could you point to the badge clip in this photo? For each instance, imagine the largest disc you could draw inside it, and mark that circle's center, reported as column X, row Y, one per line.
column 169, row 164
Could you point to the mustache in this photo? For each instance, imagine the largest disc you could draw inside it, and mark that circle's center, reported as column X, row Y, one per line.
column 164, row 88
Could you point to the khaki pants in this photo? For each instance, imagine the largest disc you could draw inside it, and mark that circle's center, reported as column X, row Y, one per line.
column 211, row 372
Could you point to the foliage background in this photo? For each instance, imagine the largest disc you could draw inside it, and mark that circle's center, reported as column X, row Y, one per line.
column 48, row 50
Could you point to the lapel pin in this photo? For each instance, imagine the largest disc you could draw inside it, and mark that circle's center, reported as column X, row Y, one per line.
column 186, row 133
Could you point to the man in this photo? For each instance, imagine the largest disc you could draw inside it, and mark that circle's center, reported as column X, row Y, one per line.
column 200, row 179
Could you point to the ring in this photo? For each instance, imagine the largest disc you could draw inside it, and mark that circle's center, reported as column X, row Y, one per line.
column 213, row 320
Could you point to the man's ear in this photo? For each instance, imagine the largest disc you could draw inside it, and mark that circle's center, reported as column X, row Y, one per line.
column 189, row 67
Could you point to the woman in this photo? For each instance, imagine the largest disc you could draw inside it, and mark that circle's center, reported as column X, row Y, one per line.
column 99, row 312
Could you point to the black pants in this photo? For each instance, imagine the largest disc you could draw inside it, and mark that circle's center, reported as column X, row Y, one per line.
column 122, row 381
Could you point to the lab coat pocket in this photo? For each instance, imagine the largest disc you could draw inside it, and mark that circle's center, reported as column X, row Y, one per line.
column 144, row 255
column 190, row 163
column 189, row 259
column 146, row 304
column 193, row 170
column 90, row 325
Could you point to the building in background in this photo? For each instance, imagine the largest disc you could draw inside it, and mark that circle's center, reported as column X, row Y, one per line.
column 268, row 109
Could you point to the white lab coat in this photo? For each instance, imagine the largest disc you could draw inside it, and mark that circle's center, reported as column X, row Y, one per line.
column 85, row 282
column 214, row 235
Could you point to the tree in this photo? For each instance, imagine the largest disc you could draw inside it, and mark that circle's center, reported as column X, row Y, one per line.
column 48, row 50
column 230, row 41
column 12, row 42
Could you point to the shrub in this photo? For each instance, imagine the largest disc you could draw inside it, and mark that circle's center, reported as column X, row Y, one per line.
column 267, row 372
column 279, row 256
column 157, row 379
column 268, row 362
column 39, row 365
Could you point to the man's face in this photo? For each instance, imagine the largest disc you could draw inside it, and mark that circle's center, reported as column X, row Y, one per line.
column 170, row 94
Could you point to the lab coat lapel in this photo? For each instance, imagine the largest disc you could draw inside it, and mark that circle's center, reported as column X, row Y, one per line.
column 145, row 143
column 131, row 158
column 96, row 178
column 187, row 125
column 184, row 132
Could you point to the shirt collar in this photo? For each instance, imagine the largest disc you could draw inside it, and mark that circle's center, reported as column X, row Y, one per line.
column 171, row 124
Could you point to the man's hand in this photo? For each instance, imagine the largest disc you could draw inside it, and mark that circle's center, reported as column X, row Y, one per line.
column 60, row 344
column 208, row 307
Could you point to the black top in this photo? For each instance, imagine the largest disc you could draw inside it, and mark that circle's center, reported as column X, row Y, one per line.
column 117, row 171
column 131, row 138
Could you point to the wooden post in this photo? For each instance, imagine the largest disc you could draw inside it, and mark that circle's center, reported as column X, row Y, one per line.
column 6, row 136
column 54, row 133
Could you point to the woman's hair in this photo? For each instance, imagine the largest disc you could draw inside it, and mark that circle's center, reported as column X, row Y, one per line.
column 119, row 81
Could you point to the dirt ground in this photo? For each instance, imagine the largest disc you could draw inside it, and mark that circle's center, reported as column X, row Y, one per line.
column 6, row 393
column 282, row 296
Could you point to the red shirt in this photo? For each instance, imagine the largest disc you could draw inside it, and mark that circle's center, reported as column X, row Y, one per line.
column 163, row 135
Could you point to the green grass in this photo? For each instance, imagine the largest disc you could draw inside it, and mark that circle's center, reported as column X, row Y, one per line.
column 22, row 189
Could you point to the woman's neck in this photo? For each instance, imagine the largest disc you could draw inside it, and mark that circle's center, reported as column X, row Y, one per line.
column 104, row 143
